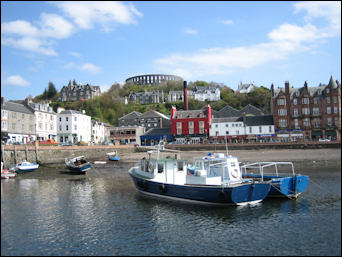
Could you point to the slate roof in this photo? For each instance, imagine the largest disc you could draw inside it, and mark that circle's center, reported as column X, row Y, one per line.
column 181, row 114
column 71, row 112
column 131, row 115
column 16, row 107
column 158, row 131
column 260, row 120
column 251, row 109
column 228, row 111
column 153, row 114
column 227, row 119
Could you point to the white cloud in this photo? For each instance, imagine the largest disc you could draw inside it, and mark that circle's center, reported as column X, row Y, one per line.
column 88, row 13
column 54, row 26
column 283, row 41
column 227, row 22
column 30, row 44
column 190, row 31
column 90, row 67
column 75, row 54
column 16, row 80
column 38, row 39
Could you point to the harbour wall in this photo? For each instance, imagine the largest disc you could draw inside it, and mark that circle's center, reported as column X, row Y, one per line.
column 46, row 155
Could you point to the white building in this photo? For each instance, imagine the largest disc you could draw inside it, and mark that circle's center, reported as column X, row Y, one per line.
column 98, row 132
column 250, row 128
column 245, row 88
column 46, row 120
column 73, row 126
column 207, row 94
column 230, row 128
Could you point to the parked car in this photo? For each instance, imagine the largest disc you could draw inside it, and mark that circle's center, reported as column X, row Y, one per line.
column 48, row 142
column 81, row 143
column 324, row 140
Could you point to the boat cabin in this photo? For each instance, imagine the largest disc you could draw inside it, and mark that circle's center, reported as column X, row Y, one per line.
column 164, row 170
column 215, row 169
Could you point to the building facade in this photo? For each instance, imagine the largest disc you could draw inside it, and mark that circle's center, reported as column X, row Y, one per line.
column 149, row 119
column 74, row 92
column 73, row 126
column 97, row 132
column 242, row 129
column 192, row 126
column 126, row 135
column 46, row 120
column 17, row 123
column 178, row 95
column 207, row 93
column 147, row 97
column 307, row 113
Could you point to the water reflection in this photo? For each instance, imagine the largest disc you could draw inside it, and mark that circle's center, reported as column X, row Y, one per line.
column 101, row 213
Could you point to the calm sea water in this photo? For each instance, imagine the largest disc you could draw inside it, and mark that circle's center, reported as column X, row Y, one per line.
column 49, row 212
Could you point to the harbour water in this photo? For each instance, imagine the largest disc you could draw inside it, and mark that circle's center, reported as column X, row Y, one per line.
column 50, row 212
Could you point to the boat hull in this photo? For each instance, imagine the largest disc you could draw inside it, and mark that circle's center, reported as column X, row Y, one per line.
column 241, row 194
column 114, row 158
column 291, row 186
column 81, row 170
column 26, row 169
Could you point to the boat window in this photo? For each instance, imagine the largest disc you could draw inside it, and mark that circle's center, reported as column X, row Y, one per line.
column 180, row 166
column 160, row 167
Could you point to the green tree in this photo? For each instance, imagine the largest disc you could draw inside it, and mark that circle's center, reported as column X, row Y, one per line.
column 51, row 92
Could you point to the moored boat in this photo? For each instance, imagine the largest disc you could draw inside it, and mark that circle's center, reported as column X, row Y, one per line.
column 289, row 185
column 78, row 164
column 113, row 156
column 219, row 182
column 5, row 174
column 25, row 166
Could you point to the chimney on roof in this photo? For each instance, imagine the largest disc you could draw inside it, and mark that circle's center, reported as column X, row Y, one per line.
column 287, row 87
column 185, row 96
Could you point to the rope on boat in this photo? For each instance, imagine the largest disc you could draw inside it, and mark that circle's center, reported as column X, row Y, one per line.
column 282, row 193
column 322, row 188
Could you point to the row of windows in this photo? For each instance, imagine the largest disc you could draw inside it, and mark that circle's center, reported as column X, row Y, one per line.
column 227, row 125
column 250, row 129
column 306, row 122
column 315, row 111
column 4, row 126
column 282, row 101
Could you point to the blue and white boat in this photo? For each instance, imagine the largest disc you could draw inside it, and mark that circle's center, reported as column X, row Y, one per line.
column 25, row 166
column 78, row 164
column 216, row 181
column 283, row 184
column 113, row 156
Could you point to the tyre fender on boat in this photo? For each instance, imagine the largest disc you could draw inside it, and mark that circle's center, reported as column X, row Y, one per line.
column 222, row 196
column 142, row 184
column 162, row 189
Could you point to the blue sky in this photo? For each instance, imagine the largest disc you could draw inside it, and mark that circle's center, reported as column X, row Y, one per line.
column 102, row 43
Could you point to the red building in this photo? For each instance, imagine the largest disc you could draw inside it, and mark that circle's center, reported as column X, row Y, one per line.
column 190, row 126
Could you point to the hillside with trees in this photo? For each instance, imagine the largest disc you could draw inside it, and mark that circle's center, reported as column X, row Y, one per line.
column 109, row 107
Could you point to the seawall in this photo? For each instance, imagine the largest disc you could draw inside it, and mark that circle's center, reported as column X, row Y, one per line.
column 257, row 152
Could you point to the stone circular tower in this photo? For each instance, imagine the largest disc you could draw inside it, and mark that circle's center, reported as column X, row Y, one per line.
column 153, row 79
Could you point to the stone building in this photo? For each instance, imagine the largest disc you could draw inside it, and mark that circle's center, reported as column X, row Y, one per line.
column 146, row 97
column 149, row 119
column 74, row 92
column 17, row 123
column 307, row 113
